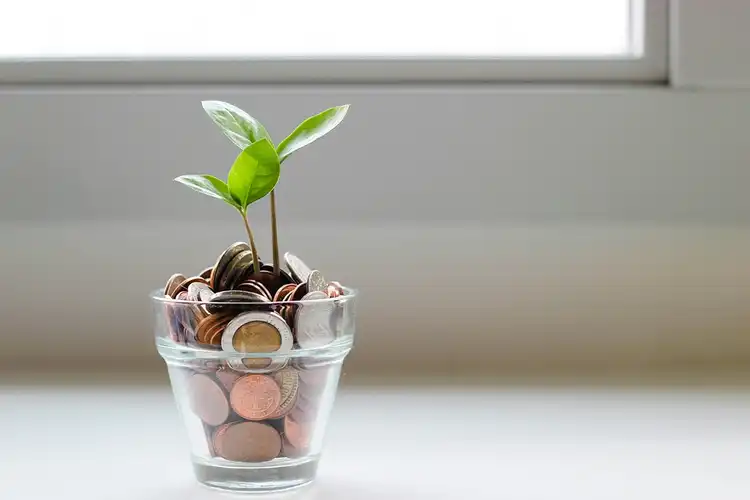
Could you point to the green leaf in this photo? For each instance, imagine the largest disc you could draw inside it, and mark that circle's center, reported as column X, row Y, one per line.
column 208, row 185
column 311, row 130
column 241, row 128
column 254, row 174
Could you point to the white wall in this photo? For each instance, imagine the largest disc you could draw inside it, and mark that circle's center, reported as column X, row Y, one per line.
column 489, row 228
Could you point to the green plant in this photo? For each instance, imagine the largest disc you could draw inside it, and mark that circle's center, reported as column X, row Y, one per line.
column 257, row 168
column 253, row 175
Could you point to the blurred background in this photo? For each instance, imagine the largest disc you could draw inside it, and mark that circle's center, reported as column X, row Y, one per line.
column 539, row 190
column 510, row 192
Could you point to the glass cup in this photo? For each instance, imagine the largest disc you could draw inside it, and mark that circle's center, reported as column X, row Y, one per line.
column 254, row 384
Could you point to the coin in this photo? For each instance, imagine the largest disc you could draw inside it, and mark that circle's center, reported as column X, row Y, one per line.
column 172, row 283
column 257, row 332
column 235, row 300
column 281, row 292
column 290, row 451
column 209, row 325
column 299, row 292
column 332, row 291
column 254, row 286
column 223, row 260
column 174, row 324
column 206, row 273
column 227, row 378
column 207, row 400
column 300, row 271
column 308, row 400
column 255, row 397
column 296, row 433
column 190, row 318
column 288, row 381
column 271, row 281
column 289, row 315
column 217, row 438
column 194, row 279
column 267, row 267
column 302, row 417
column 196, row 291
column 312, row 322
column 214, row 337
column 248, row 442
column 316, row 282
column 238, row 269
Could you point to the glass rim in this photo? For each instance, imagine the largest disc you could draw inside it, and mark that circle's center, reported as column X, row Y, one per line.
column 159, row 297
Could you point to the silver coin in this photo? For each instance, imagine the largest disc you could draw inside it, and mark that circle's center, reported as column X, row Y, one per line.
column 316, row 282
column 277, row 325
column 300, row 271
column 197, row 290
column 312, row 322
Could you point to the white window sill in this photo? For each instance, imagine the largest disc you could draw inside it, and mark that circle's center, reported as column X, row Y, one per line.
column 126, row 443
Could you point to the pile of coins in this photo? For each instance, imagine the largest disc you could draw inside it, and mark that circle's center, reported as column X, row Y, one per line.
column 255, row 409
column 232, row 310
column 257, row 417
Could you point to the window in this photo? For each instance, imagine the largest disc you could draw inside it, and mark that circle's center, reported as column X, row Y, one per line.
column 334, row 40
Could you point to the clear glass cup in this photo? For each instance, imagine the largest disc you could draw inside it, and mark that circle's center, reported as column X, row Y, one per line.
column 255, row 420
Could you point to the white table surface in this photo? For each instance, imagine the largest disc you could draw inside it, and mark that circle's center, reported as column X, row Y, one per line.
column 126, row 443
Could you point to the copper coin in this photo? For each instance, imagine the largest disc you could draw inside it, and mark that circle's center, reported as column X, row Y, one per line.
column 215, row 335
column 288, row 381
column 190, row 317
column 271, row 281
column 255, row 397
column 307, row 406
column 284, row 276
column 206, row 273
column 208, row 325
column 290, row 451
column 289, row 318
column 296, row 433
column 194, row 279
column 302, row 417
column 172, row 283
column 227, row 378
column 299, row 292
column 217, row 438
column 332, row 291
column 248, row 442
column 283, row 291
column 254, row 286
column 223, row 261
column 207, row 399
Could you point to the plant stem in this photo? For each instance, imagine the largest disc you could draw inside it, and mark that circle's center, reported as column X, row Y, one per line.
column 256, row 266
column 274, row 234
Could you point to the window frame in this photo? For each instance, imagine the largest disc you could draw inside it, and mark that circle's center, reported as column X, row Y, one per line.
column 651, row 67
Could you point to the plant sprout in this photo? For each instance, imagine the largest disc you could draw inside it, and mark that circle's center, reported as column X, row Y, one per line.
column 257, row 168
